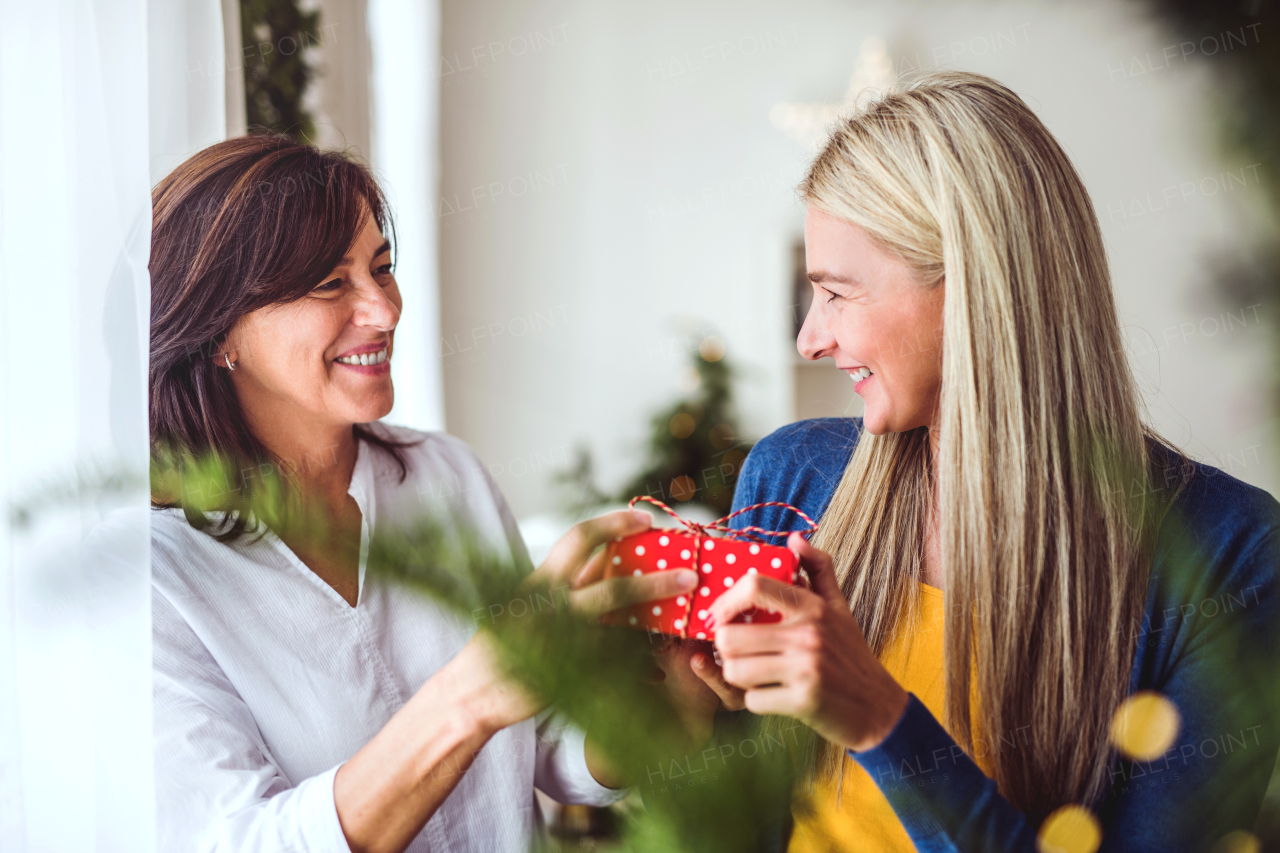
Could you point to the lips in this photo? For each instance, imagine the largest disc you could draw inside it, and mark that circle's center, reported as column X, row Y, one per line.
column 365, row 358
column 371, row 346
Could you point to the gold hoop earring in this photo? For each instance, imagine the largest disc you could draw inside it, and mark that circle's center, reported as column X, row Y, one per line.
column 227, row 357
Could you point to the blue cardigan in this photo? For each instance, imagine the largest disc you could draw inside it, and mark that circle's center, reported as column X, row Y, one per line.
column 1208, row 643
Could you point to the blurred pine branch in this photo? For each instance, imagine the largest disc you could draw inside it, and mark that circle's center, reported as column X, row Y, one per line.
column 276, row 35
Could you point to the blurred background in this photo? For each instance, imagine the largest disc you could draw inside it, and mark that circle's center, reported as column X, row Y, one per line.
column 599, row 240
column 610, row 190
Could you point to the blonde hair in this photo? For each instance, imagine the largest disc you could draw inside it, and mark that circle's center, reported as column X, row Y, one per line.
column 1047, row 493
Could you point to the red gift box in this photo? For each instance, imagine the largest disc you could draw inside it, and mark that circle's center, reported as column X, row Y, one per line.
column 720, row 562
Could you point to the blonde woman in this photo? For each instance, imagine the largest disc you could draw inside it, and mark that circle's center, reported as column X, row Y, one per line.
column 1014, row 554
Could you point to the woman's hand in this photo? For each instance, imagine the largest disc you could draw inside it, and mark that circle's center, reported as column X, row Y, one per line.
column 575, row 564
column 815, row 664
column 692, row 679
column 688, row 672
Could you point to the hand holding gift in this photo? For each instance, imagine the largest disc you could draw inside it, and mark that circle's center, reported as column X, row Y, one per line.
column 720, row 563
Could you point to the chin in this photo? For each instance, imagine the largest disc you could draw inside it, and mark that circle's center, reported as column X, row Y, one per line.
column 370, row 410
column 873, row 423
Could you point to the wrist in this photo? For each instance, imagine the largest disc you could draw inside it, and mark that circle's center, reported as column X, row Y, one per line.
column 882, row 724
column 476, row 691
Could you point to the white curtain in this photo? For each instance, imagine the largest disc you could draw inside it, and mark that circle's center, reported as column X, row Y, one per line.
column 97, row 98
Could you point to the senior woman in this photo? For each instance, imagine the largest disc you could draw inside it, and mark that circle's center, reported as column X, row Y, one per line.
column 300, row 705
column 1012, row 636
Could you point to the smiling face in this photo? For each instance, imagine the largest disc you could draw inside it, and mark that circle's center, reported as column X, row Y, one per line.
column 872, row 315
column 322, row 361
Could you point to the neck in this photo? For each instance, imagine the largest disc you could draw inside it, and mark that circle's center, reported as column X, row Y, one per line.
column 935, row 444
column 318, row 460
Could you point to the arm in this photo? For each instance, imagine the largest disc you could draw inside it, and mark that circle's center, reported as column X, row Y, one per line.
column 1218, row 627
column 944, row 800
column 568, row 770
column 219, row 788
column 388, row 790
column 398, row 780
column 1209, row 783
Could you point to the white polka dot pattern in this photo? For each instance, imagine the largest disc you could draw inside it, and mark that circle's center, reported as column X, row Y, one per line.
column 721, row 562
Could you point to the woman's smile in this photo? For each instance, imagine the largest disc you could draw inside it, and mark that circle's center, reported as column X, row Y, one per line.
column 860, row 377
column 370, row 359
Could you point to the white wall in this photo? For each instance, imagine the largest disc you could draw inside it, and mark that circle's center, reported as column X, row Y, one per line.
column 375, row 98
column 611, row 183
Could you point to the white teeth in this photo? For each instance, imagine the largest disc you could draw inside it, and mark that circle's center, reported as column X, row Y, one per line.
column 366, row 358
column 860, row 374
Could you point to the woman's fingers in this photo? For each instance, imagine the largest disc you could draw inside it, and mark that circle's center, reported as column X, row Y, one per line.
column 767, row 638
column 784, row 700
column 568, row 555
column 592, row 571
column 761, row 592
column 705, row 667
column 820, row 569
column 757, row 671
column 614, row 593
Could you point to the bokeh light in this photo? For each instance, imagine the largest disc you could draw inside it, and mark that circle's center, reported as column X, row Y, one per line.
column 682, row 425
column 683, row 488
column 1145, row 726
column 1070, row 829
column 1240, row 841
column 722, row 436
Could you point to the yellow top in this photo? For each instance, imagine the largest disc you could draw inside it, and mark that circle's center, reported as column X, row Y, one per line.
column 863, row 820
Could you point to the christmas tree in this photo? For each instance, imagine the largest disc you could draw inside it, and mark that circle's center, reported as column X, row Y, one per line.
column 693, row 454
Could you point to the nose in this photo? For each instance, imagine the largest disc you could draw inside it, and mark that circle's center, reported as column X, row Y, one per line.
column 375, row 307
column 815, row 340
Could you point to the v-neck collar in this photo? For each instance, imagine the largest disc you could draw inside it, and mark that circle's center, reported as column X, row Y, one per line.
column 362, row 491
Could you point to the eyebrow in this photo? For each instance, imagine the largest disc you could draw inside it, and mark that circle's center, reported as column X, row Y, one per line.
column 819, row 276
column 347, row 260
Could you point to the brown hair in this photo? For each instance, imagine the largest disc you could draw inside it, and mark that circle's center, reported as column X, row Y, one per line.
column 246, row 223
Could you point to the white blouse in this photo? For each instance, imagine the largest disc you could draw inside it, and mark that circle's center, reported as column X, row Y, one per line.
column 266, row 680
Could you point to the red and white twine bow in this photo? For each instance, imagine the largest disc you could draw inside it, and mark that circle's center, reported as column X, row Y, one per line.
column 720, row 524
column 702, row 532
